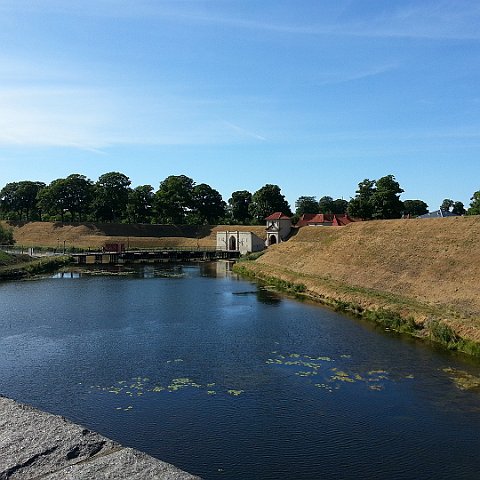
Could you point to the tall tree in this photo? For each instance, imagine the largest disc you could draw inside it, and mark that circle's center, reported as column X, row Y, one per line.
column 474, row 204
column 447, row 205
column 53, row 200
column 458, row 208
column 325, row 204
column 361, row 205
column 140, row 204
column 238, row 205
column 306, row 204
column 414, row 208
column 78, row 192
column 339, row 206
column 386, row 198
column 207, row 205
column 111, row 196
column 268, row 200
column 174, row 199
column 18, row 200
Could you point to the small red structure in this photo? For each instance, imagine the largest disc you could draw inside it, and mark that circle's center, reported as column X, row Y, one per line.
column 323, row 220
column 114, row 247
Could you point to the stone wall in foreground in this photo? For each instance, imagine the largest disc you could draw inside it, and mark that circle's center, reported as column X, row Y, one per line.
column 35, row 444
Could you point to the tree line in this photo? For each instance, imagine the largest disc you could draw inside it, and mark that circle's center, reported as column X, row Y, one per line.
column 179, row 200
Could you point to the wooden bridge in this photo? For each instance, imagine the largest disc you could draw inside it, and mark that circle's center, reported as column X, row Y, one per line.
column 178, row 254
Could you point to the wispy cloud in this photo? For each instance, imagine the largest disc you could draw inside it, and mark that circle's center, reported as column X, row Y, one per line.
column 429, row 19
column 345, row 77
column 96, row 118
column 244, row 132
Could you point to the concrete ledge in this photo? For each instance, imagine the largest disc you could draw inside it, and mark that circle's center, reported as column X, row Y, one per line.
column 35, row 444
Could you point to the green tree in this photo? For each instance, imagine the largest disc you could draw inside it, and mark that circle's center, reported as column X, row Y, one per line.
column 111, row 196
column 458, row 208
column 325, row 204
column 339, row 206
column 78, row 193
column 447, row 205
column 361, row 206
column 207, row 205
column 474, row 204
column 140, row 204
column 52, row 200
column 386, row 198
column 174, row 199
column 306, row 204
column 18, row 200
column 414, row 208
column 268, row 200
column 238, row 205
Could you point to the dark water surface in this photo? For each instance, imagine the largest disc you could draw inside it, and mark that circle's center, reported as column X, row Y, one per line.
column 227, row 380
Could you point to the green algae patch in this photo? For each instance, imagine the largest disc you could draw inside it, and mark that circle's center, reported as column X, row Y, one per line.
column 142, row 386
column 333, row 378
column 463, row 380
column 235, row 393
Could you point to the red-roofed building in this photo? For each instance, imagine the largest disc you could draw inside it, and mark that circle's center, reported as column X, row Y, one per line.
column 279, row 227
column 277, row 216
column 323, row 220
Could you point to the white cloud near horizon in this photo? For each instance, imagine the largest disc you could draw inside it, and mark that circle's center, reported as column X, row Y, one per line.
column 96, row 118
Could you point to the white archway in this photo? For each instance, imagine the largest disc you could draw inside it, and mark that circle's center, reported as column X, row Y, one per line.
column 272, row 240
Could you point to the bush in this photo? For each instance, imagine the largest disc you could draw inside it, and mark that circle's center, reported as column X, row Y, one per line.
column 442, row 333
column 6, row 236
column 251, row 256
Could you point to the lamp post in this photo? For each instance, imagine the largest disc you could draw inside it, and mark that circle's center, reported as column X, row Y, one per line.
column 64, row 247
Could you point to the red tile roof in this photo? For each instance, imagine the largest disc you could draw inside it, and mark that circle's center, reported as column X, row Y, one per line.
column 278, row 216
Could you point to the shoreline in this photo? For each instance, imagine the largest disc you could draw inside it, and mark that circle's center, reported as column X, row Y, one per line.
column 396, row 313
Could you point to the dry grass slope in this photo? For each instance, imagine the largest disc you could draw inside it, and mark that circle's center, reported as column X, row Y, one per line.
column 90, row 235
column 422, row 268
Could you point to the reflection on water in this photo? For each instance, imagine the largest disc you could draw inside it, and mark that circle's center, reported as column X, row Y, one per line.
column 230, row 380
column 66, row 275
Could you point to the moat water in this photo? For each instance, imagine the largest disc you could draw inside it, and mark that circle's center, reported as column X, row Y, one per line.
column 226, row 379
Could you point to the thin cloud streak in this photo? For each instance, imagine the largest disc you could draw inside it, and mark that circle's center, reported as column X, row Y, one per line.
column 244, row 132
column 345, row 78
column 435, row 21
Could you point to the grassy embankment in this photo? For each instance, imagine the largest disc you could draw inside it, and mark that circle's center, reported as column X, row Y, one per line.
column 419, row 277
column 22, row 266
column 94, row 236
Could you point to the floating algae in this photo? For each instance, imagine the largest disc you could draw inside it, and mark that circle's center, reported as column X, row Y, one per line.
column 235, row 393
column 142, row 386
column 341, row 376
column 306, row 366
column 463, row 380
column 306, row 374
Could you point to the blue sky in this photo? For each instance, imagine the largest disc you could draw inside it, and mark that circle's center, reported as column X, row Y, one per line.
column 311, row 95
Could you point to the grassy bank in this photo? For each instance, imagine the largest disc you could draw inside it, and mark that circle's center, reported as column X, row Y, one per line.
column 16, row 267
column 413, row 277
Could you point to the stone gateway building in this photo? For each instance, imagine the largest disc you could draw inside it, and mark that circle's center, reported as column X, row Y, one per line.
column 236, row 241
column 279, row 227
